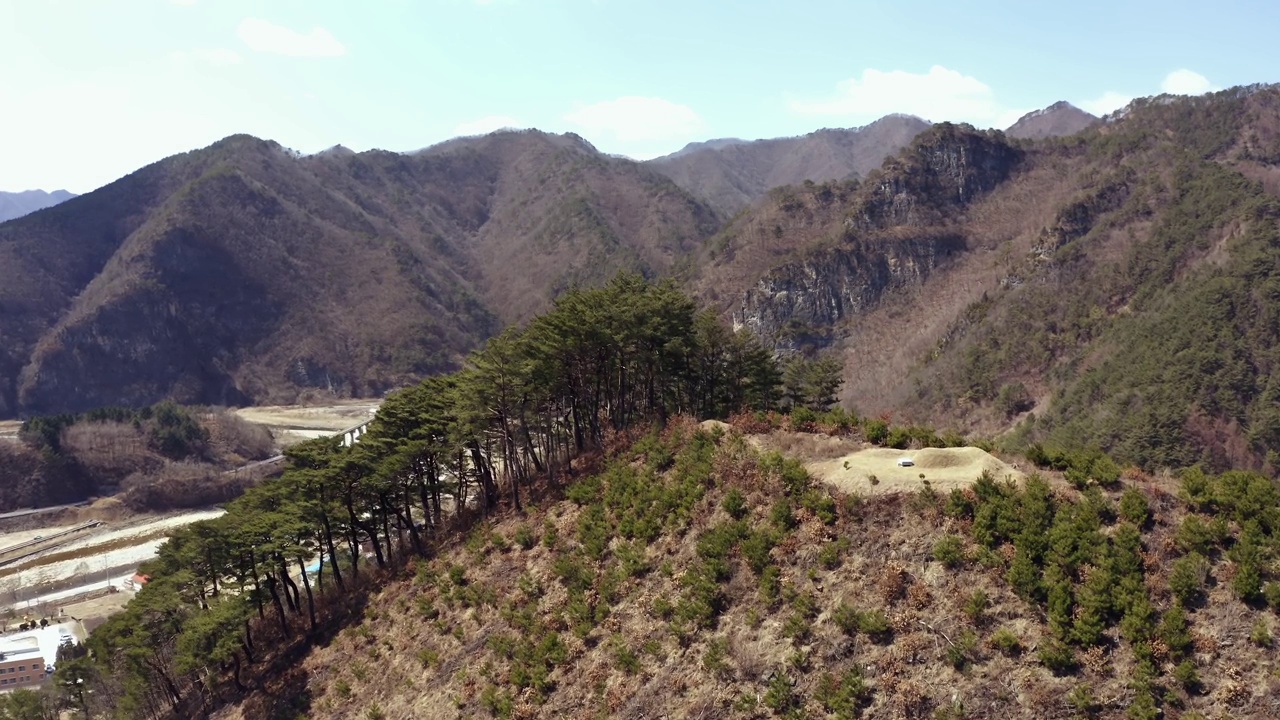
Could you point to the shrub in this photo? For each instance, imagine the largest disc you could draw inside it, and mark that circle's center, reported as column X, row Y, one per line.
column 458, row 575
column 1173, row 631
column 755, row 549
column 427, row 608
column 803, row 419
column 959, row 504
column 770, row 584
column 1057, row 656
column 781, row 515
column 797, row 628
column 960, row 652
column 1143, row 706
column 550, row 535
column 1134, row 508
column 1082, row 700
column 1272, row 594
column 714, row 659
column 499, row 704
column 524, row 537
column 780, row 697
column 822, row 505
column 1006, row 641
column 976, row 604
column 1260, row 635
column 852, row 621
column 875, row 624
column 735, row 503
column 843, row 696
column 1187, row 676
column 875, row 431
column 1187, row 578
column 949, row 550
column 1198, row 536
column 626, row 658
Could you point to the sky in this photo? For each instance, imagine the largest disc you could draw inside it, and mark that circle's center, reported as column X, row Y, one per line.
column 91, row 90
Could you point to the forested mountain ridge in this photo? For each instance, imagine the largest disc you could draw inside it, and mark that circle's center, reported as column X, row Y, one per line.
column 1077, row 278
column 731, row 174
column 244, row 273
column 973, row 280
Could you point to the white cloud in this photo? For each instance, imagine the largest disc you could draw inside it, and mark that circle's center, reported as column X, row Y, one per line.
column 637, row 123
column 218, row 57
column 1106, row 103
column 941, row 94
column 1178, row 82
column 267, row 37
column 486, row 125
column 1186, row 82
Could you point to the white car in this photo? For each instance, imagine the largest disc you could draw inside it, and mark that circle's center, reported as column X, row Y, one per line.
column 906, row 462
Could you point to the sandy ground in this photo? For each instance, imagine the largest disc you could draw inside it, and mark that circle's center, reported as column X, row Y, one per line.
column 335, row 417
column 92, row 612
column 943, row 468
column 9, row 429
column 291, row 424
column 142, row 528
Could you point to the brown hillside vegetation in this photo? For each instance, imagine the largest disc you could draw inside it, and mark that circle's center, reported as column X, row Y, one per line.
column 694, row 577
column 242, row 273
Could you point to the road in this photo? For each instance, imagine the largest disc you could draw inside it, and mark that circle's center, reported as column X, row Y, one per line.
column 35, row 511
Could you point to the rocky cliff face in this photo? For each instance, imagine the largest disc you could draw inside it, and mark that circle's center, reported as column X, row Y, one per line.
column 947, row 167
column 897, row 230
column 798, row 305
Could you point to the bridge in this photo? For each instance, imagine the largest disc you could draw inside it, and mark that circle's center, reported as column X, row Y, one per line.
column 275, row 464
column 351, row 435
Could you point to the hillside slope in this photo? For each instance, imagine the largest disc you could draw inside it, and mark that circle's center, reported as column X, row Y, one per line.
column 694, row 578
column 1112, row 282
column 243, row 273
column 731, row 174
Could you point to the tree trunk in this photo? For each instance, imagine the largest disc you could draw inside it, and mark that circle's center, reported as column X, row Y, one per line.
column 306, row 583
column 333, row 551
column 275, row 600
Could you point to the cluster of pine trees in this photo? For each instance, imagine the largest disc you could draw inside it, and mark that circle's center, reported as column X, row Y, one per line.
column 226, row 595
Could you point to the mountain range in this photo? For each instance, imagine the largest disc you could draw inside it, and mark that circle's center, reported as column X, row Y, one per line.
column 998, row 281
column 16, row 204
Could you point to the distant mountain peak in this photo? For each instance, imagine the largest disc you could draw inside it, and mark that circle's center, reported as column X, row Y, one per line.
column 732, row 173
column 338, row 151
column 16, row 204
column 1057, row 120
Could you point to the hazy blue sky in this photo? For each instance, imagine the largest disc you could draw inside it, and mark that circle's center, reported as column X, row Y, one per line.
column 91, row 90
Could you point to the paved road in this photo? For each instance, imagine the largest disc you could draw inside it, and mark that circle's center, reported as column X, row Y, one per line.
column 36, row 511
